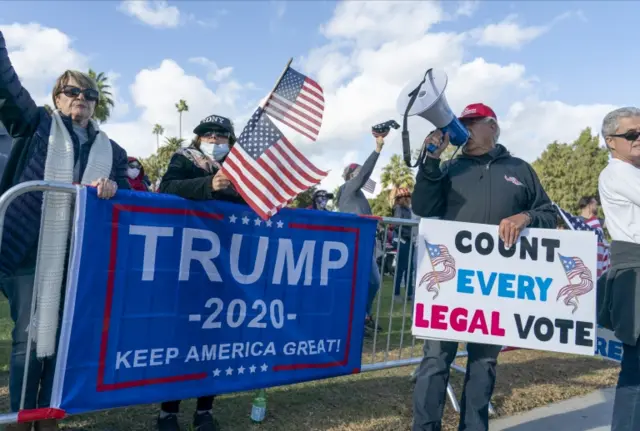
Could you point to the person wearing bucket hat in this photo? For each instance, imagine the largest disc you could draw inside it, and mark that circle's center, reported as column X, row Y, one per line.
column 404, row 236
column 487, row 185
column 195, row 173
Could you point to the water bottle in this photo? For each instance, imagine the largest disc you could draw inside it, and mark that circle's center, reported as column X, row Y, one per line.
column 259, row 407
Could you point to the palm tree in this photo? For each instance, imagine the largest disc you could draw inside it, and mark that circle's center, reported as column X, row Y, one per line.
column 156, row 164
column 181, row 106
column 397, row 174
column 105, row 103
column 158, row 130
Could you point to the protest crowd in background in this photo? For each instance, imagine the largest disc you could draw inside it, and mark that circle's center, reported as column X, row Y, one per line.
column 65, row 144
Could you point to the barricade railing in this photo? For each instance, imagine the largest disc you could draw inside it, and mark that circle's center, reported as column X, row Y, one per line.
column 394, row 348
column 34, row 414
column 397, row 350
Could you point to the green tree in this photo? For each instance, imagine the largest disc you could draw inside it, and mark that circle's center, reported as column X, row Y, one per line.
column 304, row 199
column 570, row 171
column 105, row 103
column 381, row 205
column 48, row 108
column 397, row 174
column 181, row 106
column 156, row 164
column 158, row 130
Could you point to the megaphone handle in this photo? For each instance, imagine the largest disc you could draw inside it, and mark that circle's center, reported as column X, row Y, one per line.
column 432, row 148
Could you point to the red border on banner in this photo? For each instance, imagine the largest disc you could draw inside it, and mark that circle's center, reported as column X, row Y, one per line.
column 101, row 386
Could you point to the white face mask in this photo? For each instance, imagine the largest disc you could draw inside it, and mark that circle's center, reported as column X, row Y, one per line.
column 133, row 173
column 215, row 151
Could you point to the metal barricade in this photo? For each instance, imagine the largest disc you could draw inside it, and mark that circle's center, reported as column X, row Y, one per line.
column 399, row 339
column 379, row 353
column 7, row 324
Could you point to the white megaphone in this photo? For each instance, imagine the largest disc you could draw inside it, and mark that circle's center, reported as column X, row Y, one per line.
column 425, row 98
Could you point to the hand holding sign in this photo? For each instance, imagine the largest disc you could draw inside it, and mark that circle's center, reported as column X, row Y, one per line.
column 511, row 227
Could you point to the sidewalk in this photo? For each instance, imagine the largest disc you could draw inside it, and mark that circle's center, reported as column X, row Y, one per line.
column 589, row 413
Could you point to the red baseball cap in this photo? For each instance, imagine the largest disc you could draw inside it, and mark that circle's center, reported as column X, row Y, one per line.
column 477, row 110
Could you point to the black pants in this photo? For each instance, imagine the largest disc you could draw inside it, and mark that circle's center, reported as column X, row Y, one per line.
column 430, row 392
column 204, row 403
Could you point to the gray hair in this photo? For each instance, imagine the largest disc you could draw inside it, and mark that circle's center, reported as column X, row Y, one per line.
column 497, row 135
column 610, row 122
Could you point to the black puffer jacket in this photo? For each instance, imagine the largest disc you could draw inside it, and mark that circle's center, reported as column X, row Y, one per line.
column 482, row 189
column 186, row 179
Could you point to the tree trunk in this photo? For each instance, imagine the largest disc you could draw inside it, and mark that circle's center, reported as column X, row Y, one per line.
column 180, row 124
column 157, row 142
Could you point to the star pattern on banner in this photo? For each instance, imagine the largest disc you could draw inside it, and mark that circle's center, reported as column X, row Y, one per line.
column 240, row 370
column 258, row 222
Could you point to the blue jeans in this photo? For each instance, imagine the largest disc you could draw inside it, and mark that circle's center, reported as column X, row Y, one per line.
column 19, row 289
column 626, row 407
column 374, row 284
column 402, row 268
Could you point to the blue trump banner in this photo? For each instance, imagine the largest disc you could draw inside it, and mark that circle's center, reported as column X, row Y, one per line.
column 171, row 299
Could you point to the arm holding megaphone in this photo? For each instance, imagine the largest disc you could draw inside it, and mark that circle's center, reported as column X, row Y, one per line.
column 435, row 143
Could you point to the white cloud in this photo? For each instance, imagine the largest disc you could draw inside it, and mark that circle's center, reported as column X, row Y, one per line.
column 39, row 55
column 159, row 106
column 467, row 7
column 121, row 107
column 214, row 73
column 507, row 33
column 364, row 65
column 156, row 13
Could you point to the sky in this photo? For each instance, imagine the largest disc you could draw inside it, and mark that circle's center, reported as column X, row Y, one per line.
column 548, row 69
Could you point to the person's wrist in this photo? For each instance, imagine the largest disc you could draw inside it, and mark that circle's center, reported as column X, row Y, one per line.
column 528, row 219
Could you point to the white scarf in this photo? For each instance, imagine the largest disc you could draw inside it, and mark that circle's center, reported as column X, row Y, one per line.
column 56, row 223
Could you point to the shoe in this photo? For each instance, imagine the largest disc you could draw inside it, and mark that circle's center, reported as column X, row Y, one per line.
column 46, row 425
column 168, row 423
column 205, row 422
column 18, row 427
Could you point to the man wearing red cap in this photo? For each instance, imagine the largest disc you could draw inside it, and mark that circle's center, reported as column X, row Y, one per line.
column 485, row 184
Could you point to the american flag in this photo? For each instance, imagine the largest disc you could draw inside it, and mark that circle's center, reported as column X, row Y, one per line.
column 575, row 267
column 266, row 169
column 592, row 224
column 298, row 101
column 438, row 254
column 369, row 186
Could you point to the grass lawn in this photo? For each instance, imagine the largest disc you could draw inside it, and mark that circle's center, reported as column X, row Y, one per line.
column 378, row 400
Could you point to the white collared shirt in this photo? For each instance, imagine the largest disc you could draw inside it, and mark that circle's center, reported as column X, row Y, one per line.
column 619, row 186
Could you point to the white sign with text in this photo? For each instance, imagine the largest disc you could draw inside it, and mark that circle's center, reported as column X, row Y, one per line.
column 539, row 294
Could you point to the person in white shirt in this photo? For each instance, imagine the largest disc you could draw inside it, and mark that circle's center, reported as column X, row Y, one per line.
column 619, row 187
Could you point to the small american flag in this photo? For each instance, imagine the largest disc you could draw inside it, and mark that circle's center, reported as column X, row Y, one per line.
column 369, row 186
column 266, row 169
column 575, row 267
column 298, row 101
column 439, row 255
column 592, row 224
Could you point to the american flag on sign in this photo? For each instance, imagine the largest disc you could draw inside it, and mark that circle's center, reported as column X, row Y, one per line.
column 575, row 267
column 439, row 255
column 592, row 224
column 266, row 169
column 298, row 101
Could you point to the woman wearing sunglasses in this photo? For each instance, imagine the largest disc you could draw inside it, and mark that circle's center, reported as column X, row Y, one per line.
column 195, row 173
column 64, row 145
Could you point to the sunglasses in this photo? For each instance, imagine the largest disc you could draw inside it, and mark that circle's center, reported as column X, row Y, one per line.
column 89, row 94
column 134, row 165
column 217, row 134
column 629, row 135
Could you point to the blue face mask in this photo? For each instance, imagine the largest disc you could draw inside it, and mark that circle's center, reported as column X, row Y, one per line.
column 220, row 151
column 216, row 151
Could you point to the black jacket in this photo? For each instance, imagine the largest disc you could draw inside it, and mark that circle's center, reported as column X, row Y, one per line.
column 187, row 180
column 618, row 293
column 482, row 189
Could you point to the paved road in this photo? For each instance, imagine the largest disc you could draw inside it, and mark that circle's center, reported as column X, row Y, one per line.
column 589, row 413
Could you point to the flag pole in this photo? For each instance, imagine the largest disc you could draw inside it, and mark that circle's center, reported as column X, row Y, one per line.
column 262, row 105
